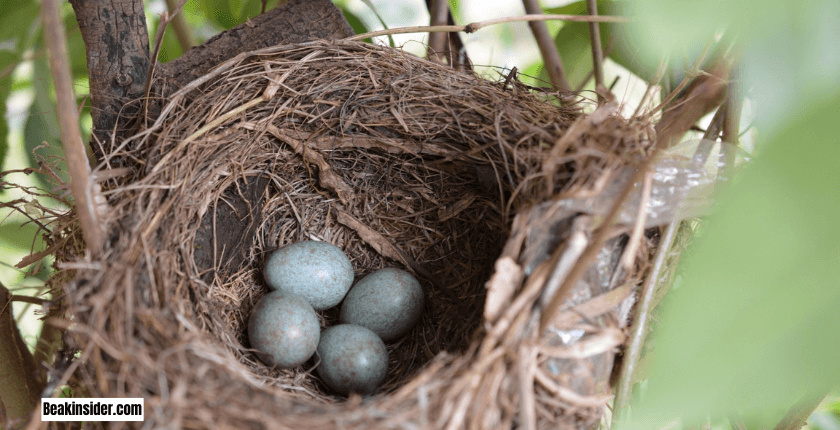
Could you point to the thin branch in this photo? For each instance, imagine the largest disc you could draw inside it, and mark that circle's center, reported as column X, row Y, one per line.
column 162, row 23
column 473, row 27
column 660, row 72
column 439, row 10
column 638, row 332
column 19, row 388
column 597, row 54
column 704, row 148
column 68, row 120
column 689, row 77
column 799, row 413
column 28, row 299
column 731, row 124
column 548, row 50
column 179, row 24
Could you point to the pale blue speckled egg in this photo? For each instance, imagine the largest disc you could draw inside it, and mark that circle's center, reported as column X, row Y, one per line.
column 353, row 359
column 317, row 271
column 389, row 302
column 284, row 330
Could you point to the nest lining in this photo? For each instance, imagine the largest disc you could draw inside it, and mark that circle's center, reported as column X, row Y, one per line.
column 397, row 160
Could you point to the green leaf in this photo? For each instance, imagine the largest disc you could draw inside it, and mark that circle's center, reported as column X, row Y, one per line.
column 19, row 236
column 221, row 13
column 357, row 24
column 754, row 325
column 42, row 124
column 573, row 42
column 16, row 19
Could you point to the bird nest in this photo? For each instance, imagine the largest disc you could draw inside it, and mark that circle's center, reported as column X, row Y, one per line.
column 400, row 162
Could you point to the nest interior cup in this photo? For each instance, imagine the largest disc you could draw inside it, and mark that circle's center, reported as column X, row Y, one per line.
column 398, row 161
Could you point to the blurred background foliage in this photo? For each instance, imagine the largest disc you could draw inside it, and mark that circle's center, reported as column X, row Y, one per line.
column 752, row 324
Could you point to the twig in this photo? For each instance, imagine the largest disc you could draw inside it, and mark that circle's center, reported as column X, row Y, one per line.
column 68, row 120
column 683, row 84
column 475, row 26
column 660, row 72
column 638, row 332
column 597, row 54
column 548, row 50
column 731, row 125
column 704, row 148
column 161, row 30
column 179, row 24
column 28, row 299
column 438, row 10
column 799, row 413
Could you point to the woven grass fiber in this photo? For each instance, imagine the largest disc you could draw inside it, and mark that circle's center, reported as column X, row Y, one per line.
column 399, row 161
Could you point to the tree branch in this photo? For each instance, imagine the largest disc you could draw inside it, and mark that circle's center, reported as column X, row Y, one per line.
column 117, row 45
column 439, row 10
column 551, row 58
column 20, row 390
column 179, row 23
column 84, row 191
column 475, row 26
column 597, row 54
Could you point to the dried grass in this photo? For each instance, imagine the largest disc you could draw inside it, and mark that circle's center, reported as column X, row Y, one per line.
column 400, row 162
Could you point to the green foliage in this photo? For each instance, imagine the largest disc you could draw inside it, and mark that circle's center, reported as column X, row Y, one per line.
column 16, row 18
column 575, row 48
column 753, row 326
column 357, row 24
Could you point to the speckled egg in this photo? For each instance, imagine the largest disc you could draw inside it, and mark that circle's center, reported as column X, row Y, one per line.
column 353, row 359
column 389, row 302
column 284, row 330
column 317, row 271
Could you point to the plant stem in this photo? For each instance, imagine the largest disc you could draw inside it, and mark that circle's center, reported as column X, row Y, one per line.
column 179, row 23
column 68, row 121
column 439, row 11
column 471, row 28
column 638, row 332
column 551, row 58
column 597, row 54
column 799, row 413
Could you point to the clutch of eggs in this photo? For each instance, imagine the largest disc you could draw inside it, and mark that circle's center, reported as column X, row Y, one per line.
column 310, row 276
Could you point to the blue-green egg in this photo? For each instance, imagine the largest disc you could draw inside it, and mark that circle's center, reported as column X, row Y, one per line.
column 284, row 330
column 389, row 302
column 317, row 271
column 353, row 359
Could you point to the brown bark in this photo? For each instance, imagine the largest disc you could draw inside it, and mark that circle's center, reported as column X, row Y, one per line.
column 294, row 22
column 117, row 45
column 20, row 387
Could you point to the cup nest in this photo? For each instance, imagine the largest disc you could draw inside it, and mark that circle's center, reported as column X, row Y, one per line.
column 399, row 161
